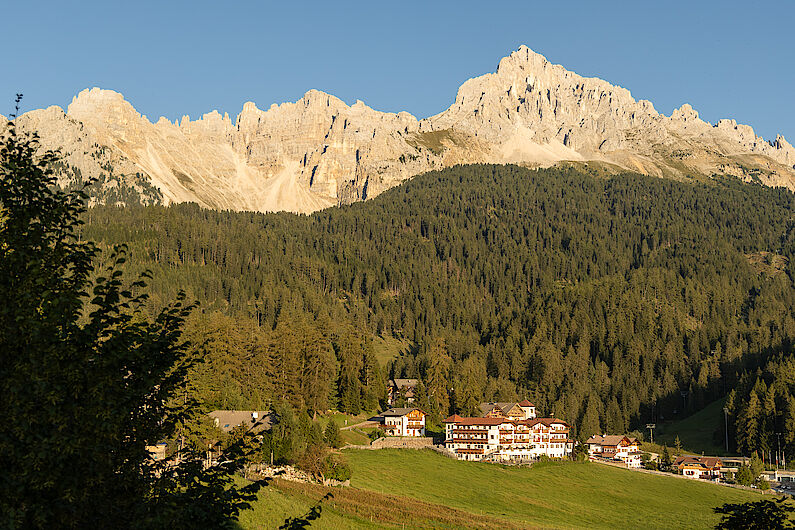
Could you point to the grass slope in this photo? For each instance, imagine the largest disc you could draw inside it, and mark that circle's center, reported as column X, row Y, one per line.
column 696, row 431
column 357, row 508
column 424, row 489
column 388, row 348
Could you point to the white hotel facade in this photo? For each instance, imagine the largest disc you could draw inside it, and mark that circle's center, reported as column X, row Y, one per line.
column 507, row 439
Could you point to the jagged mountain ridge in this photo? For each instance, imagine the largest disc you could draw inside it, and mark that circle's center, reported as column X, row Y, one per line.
column 319, row 151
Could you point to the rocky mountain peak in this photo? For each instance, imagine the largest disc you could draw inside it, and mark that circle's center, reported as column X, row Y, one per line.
column 319, row 151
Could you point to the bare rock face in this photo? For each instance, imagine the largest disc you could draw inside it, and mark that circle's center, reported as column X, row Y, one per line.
column 319, row 151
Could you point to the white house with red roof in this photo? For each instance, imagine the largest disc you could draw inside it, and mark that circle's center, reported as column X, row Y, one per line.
column 528, row 408
column 550, row 437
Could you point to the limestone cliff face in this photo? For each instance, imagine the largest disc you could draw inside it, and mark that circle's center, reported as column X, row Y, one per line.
column 319, row 151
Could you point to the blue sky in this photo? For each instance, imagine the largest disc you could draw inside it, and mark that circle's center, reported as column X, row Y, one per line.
column 727, row 59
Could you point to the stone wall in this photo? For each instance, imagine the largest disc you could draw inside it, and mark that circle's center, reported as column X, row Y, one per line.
column 293, row 474
column 397, row 442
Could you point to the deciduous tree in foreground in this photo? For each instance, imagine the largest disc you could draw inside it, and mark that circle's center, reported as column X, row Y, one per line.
column 762, row 515
column 87, row 381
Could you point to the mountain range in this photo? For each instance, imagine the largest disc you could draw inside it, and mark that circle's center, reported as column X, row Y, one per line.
column 319, row 151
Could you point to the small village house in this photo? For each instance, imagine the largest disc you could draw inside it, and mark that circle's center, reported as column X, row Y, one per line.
column 404, row 422
column 615, row 447
column 397, row 388
column 703, row 467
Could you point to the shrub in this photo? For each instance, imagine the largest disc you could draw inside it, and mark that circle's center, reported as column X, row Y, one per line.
column 744, row 476
column 336, row 469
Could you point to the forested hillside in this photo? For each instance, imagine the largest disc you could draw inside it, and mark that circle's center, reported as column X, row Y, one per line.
column 600, row 299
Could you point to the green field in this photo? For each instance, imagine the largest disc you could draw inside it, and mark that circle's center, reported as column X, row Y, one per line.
column 349, row 436
column 695, row 431
column 425, row 489
column 388, row 348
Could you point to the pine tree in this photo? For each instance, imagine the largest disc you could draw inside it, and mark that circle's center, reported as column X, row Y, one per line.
column 748, row 430
column 589, row 423
column 666, row 458
column 332, row 434
column 437, row 379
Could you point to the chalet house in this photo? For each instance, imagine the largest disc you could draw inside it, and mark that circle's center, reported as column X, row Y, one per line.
column 615, row 447
column 255, row 420
column 704, row 467
column 404, row 422
column 506, row 439
column 524, row 410
column 396, row 387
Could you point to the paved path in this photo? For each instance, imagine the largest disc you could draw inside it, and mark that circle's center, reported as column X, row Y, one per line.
column 675, row 475
column 361, row 425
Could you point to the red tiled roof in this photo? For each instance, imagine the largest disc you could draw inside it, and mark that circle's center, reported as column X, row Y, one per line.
column 545, row 421
column 608, row 439
column 525, row 403
column 709, row 462
column 478, row 421
column 484, row 421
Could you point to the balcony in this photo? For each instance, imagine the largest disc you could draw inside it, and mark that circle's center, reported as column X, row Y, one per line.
column 470, row 451
column 482, row 432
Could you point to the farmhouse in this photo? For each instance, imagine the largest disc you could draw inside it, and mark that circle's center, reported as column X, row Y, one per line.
column 507, row 439
column 615, row 447
column 704, row 467
column 524, row 410
column 404, row 422
column 397, row 388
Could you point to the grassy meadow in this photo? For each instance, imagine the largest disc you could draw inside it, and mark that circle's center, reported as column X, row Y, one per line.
column 423, row 489
column 696, row 432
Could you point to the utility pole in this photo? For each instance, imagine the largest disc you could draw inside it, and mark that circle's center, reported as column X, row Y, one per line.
column 726, row 429
column 651, row 427
column 778, row 453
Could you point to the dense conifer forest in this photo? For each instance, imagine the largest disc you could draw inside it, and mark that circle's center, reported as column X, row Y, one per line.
column 610, row 302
